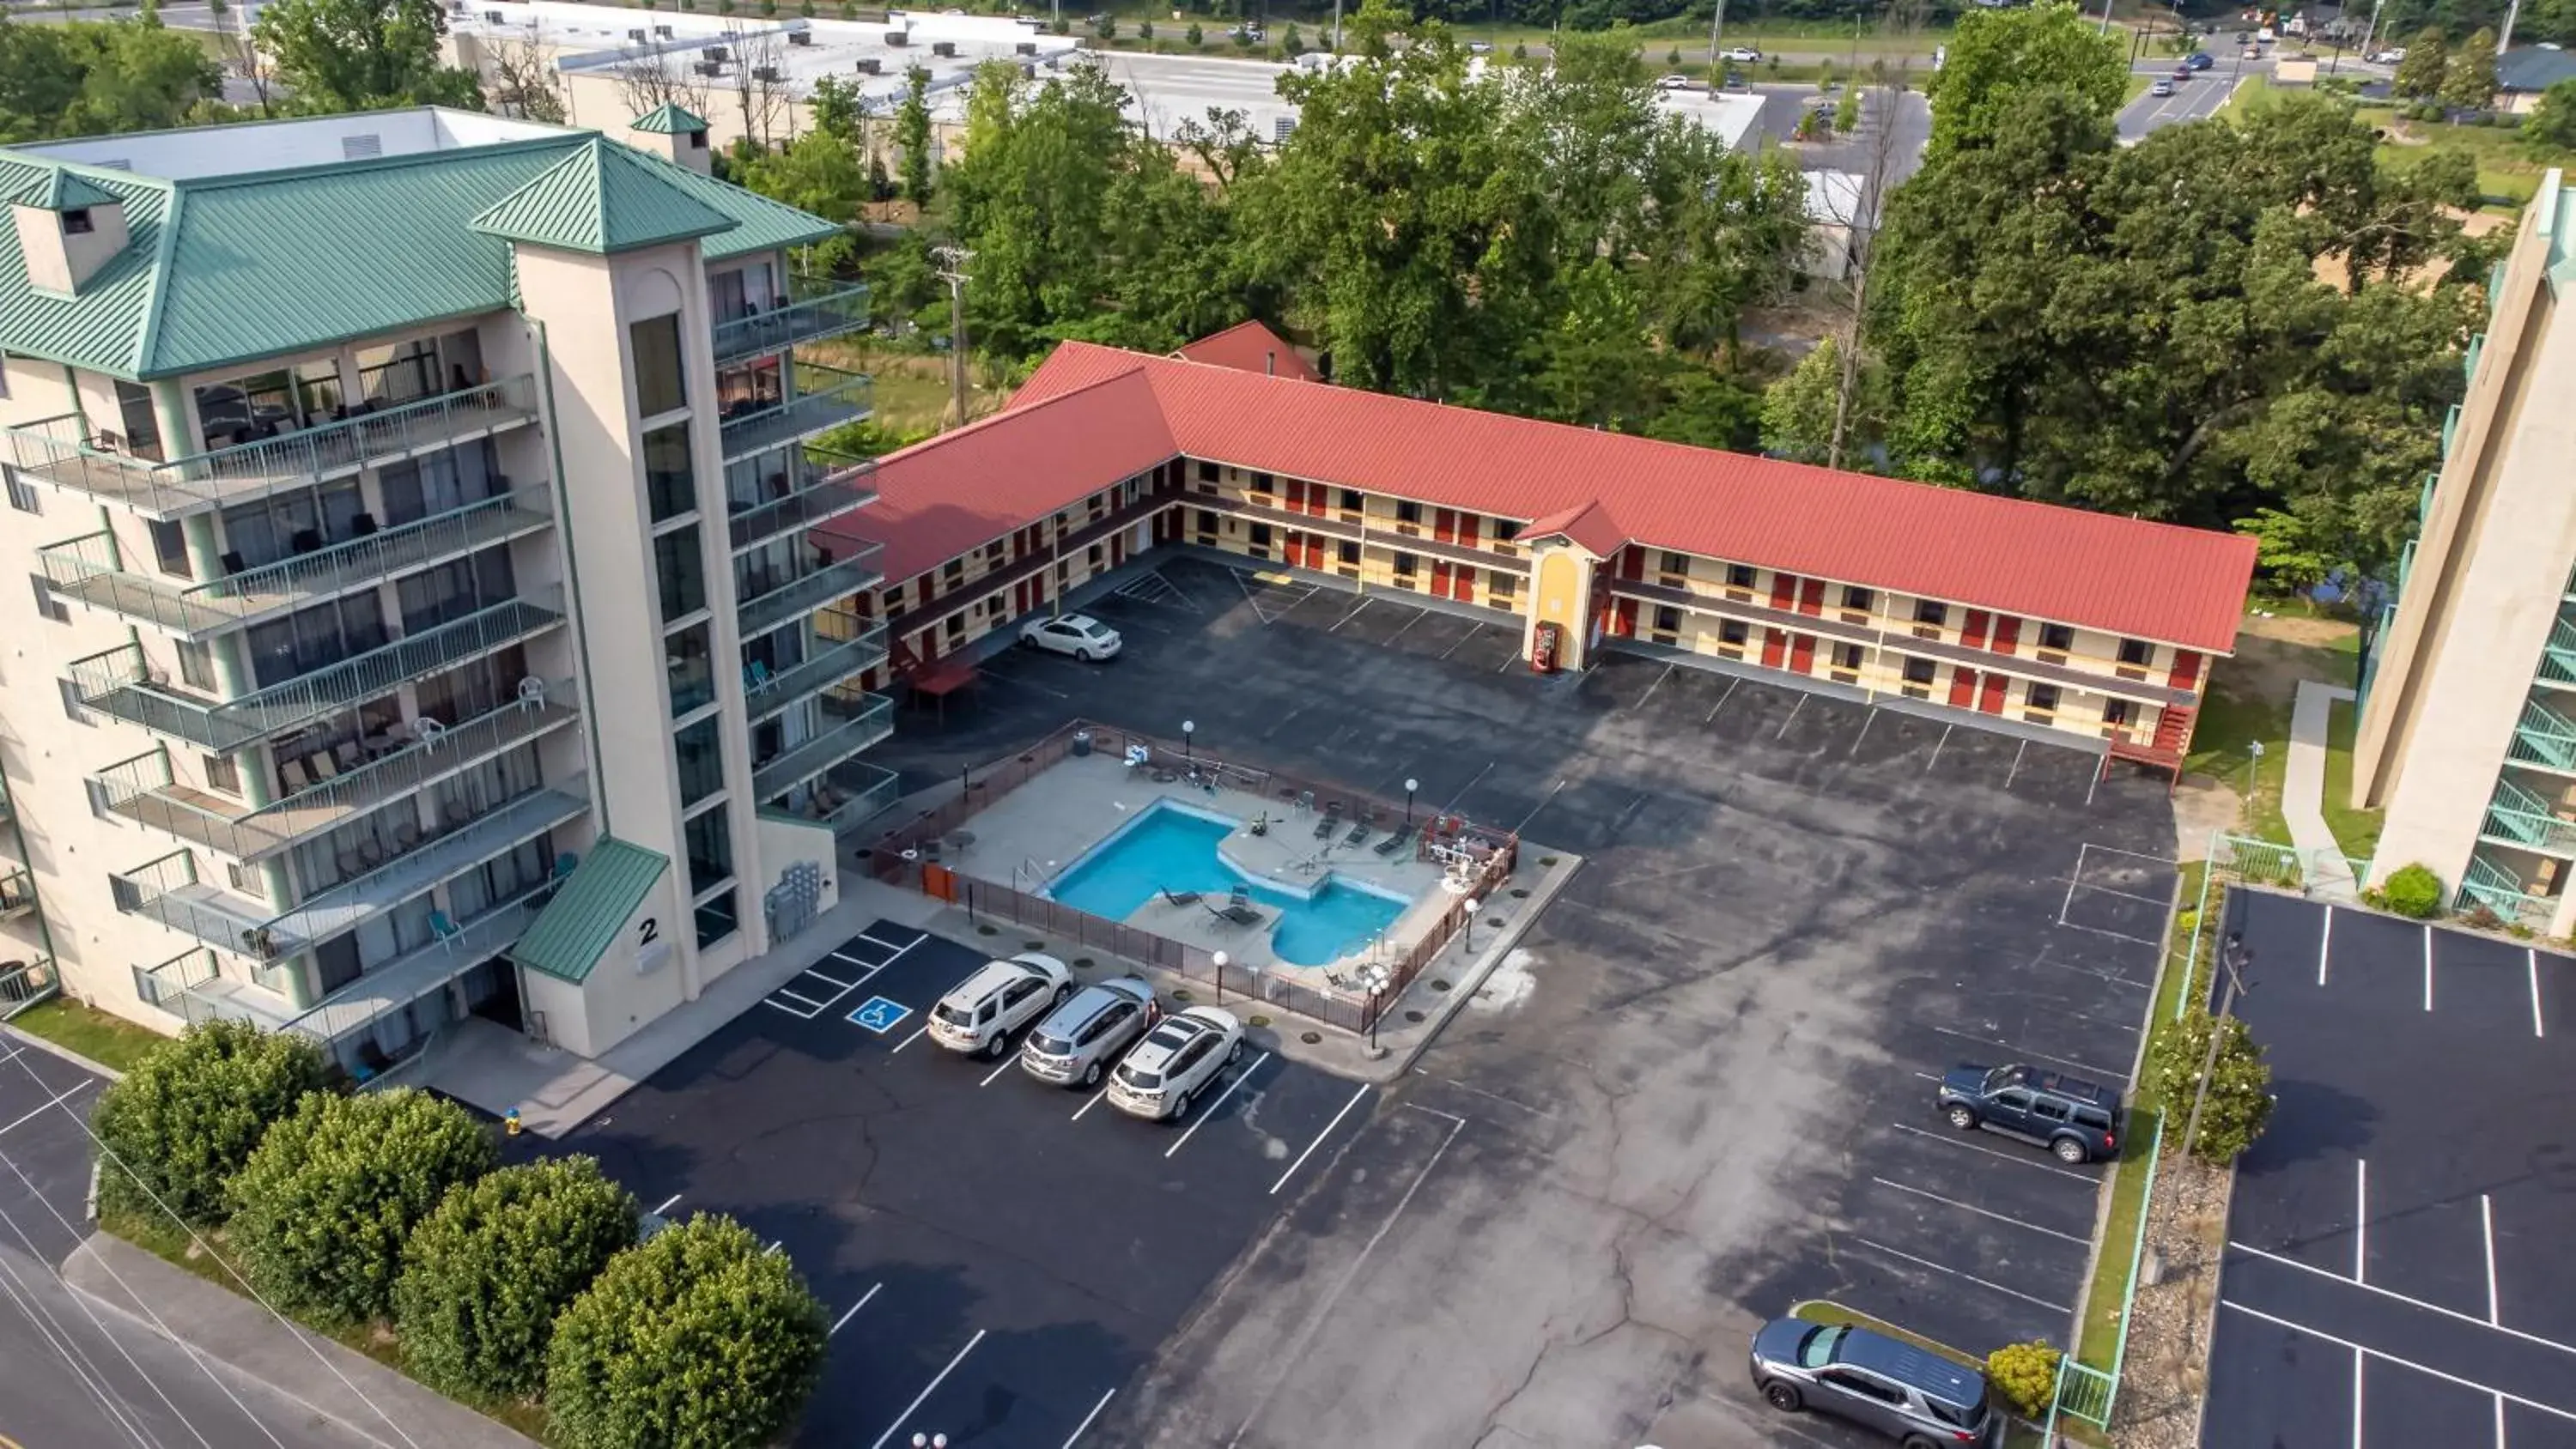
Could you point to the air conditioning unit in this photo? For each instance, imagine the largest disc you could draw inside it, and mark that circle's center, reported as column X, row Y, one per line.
column 495, row 17
column 709, row 67
column 943, row 48
column 1026, row 47
column 636, row 35
column 898, row 37
column 662, row 31
column 715, row 53
column 800, row 37
column 870, row 65
column 764, row 72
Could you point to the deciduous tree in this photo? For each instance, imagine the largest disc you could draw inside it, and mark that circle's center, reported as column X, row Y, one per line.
column 486, row 1274
column 355, row 55
column 2469, row 80
column 2427, row 64
column 186, row 1117
column 2239, row 1100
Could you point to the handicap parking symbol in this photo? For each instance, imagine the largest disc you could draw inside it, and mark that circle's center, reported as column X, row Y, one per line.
column 880, row 1015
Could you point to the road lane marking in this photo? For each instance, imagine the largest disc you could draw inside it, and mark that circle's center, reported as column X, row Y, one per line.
column 1319, row 1141
column 1210, row 1109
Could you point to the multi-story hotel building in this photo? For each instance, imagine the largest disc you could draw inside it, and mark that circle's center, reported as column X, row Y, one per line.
column 2078, row 627
column 417, row 616
column 2467, row 733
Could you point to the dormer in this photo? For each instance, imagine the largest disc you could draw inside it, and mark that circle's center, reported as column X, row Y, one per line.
column 674, row 133
column 68, row 227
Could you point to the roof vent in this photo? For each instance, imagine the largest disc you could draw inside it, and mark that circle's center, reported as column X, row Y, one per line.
column 871, row 65
column 800, row 37
column 636, row 35
column 358, row 148
column 1026, row 47
column 897, row 37
column 713, row 52
column 709, row 67
column 494, row 17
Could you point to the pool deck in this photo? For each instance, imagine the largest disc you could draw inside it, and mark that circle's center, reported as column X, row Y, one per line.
column 1040, row 829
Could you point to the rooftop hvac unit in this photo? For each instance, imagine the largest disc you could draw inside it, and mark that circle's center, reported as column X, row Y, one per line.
column 709, row 67
column 764, row 72
column 715, row 53
column 1026, row 47
column 800, row 37
column 943, row 47
column 897, row 37
column 870, row 65
column 636, row 35
column 494, row 17
column 663, row 31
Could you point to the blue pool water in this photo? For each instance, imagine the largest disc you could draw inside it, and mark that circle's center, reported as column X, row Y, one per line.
column 1175, row 850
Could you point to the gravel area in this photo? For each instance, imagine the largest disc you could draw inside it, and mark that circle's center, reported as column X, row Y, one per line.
column 2168, row 1360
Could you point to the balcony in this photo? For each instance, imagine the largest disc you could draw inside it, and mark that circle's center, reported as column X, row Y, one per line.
column 122, row 683
column 836, row 491
column 2516, row 816
column 145, row 791
column 2558, row 656
column 2543, row 737
column 395, row 984
column 833, row 660
column 8, row 808
column 817, row 307
column 166, row 889
column 782, row 603
column 858, row 727
column 17, row 894
column 89, row 569
column 827, row 397
column 54, row 451
column 192, row 986
column 851, row 794
column 26, row 981
column 2487, row 884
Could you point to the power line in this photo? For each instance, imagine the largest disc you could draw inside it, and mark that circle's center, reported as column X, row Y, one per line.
column 92, row 1315
column 952, row 270
column 60, row 1341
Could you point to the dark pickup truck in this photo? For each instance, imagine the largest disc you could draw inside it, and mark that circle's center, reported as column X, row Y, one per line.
column 2073, row 1118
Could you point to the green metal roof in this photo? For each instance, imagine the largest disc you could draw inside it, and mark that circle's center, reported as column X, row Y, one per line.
column 600, row 199
column 49, row 187
column 668, row 119
column 222, row 270
column 577, row 926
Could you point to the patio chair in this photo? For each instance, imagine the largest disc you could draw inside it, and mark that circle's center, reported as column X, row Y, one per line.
column 322, row 765
column 1396, row 841
column 347, row 753
column 1235, row 913
column 1331, row 820
column 1179, row 898
column 292, row 773
column 444, row 929
column 1359, row 830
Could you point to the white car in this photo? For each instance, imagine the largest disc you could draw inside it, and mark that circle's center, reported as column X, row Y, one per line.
column 2387, row 57
column 1673, row 83
column 1742, row 54
column 1175, row 1063
column 1080, row 635
column 978, row 1016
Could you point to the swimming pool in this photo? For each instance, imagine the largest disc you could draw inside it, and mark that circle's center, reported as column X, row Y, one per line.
column 1173, row 849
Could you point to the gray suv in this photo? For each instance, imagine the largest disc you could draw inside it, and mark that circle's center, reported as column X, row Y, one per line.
column 1916, row 1398
column 1076, row 1043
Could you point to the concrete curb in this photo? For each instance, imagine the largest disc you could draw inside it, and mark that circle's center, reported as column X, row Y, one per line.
column 29, row 1038
column 1529, row 910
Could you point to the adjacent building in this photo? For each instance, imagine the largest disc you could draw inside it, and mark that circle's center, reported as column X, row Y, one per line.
column 410, row 510
column 2068, row 626
column 2467, row 732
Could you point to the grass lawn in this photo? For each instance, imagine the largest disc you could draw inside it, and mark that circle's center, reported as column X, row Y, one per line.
column 2249, row 702
column 909, row 390
column 105, row 1038
column 2355, row 829
column 2251, row 91
column 2506, row 172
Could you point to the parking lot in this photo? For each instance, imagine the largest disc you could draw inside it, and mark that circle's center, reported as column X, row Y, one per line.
column 997, row 1256
column 1702, row 1090
column 2398, row 1270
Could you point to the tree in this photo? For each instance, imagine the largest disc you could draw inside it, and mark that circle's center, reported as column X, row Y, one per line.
column 486, row 1274
column 2469, row 80
column 355, row 55
column 186, row 1117
column 322, row 1208
column 649, row 82
column 2239, row 1100
column 695, row 1337
column 2427, row 64
column 840, row 110
column 82, row 78
column 912, row 136
column 2551, row 126
column 524, row 79
column 1998, row 56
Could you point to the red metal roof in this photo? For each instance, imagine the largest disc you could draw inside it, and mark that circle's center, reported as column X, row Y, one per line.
column 1091, row 416
column 1250, row 347
column 1586, row 524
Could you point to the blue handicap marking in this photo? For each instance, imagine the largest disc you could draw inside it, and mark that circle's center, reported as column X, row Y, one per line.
column 880, row 1015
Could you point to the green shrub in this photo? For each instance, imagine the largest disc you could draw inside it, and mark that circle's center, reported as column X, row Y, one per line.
column 190, row 1113
column 2239, row 1102
column 2413, row 891
column 695, row 1337
column 1145, row 30
column 322, row 1209
column 2025, row 1374
column 486, row 1274
column 1195, row 36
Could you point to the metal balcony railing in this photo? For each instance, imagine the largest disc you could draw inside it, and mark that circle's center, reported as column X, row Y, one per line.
column 8, row 807
column 827, row 493
column 123, row 683
column 168, row 985
column 826, row 398
column 55, row 451
column 817, row 307
column 833, row 660
column 871, row 722
column 397, row 983
column 849, row 795
column 2543, row 737
column 793, row 599
column 24, row 981
column 148, row 792
column 166, row 889
column 2517, row 816
column 17, row 894
column 2487, row 884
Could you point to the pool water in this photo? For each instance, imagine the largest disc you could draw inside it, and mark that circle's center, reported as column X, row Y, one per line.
column 1175, row 850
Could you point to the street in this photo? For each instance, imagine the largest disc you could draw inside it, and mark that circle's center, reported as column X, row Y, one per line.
column 2196, row 99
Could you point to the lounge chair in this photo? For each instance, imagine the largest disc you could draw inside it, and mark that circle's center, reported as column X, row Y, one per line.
column 1330, row 821
column 1180, row 898
column 1235, row 913
column 1396, row 841
column 1359, row 830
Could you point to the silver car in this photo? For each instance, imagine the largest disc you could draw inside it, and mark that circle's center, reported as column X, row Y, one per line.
column 978, row 1016
column 1916, row 1398
column 1076, row 1043
column 1172, row 1065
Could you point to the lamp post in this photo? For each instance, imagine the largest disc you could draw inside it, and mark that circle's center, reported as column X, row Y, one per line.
column 2232, row 956
column 1219, row 958
column 1469, row 936
column 1189, row 727
column 1409, row 787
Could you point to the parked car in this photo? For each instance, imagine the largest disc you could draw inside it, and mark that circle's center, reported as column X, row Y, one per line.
column 2161, row 88
column 2073, row 1118
column 1080, row 635
column 1673, row 83
column 1170, row 1066
column 979, row 1014
column 1076, row 1043
column 2199, row 60
column 1741, row 54
column 1918, row 1398
column 2386, row 57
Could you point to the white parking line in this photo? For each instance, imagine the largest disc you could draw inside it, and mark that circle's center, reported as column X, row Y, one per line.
column 891, row 946
column 2534, row 955
column 1346, row 618
column 1092, row 1102
column 2018, row 752
column 1009, row 1060
column 1797, row 705
column 855, row 961
column 1936, row 749
column 1210, row 1109
column 2360, row 1218
column 792, row 996
column 1085, row 1426
column 2024, row 1159
column 1417, row 618
column 907, row 1041
column 1319, row 1140
column 2357, row 1362
column 791, row 1011
column 918, row 1399
column 2428, row 968
column 2384, row 1357
column 836, row 985
column 1445, row 653
column 2396, row 1297
column 1651, row 688
column 1968, row 1277
column 1966, row 1207
column 2486, row 1220
column 84, row 1084
column 2325, row 942
column 853, row 1310
column 1721, row 700
column 666, row 1204
column 2099, row 1074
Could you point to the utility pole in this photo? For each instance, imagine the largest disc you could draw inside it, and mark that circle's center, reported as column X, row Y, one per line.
column 1716, row 23
column 2232, row 957
column 952, row 270
column 2504, row 37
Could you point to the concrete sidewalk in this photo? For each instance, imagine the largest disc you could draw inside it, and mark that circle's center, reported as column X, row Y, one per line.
column 347, row 1388
column 2303, row 793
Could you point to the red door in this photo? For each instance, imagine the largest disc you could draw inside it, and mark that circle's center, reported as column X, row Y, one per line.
column 1444, row 524
column 1802, row 653
column 2186, row 670
column 1467, row 529
column 1462, row 584
column 1963, row 687
column 1296, row 492
column 2007, row 634
column 1784, row 590
column 1632, row 563
column 1774, row 644
column 1991, row 698
column 1811, row 597
column 1439, row 580
column 1623, row 620
column 1973, row 633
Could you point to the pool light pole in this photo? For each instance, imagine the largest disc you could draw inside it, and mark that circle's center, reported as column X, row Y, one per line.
column 1219, row 959
column 1189, row 727
column 1473, row 906
column 1410, row 785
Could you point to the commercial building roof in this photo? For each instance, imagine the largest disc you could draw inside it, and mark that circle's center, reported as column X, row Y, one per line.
column 574, row 930
column 1093, row 415
column 2534, row 68
column 226, row 266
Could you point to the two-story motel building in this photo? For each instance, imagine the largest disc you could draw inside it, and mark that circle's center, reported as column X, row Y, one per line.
column 417, row 616
column 2070, row 626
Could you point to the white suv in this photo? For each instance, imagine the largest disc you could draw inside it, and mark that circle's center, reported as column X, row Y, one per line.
column 979, row 1015
column 1182, row 1056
